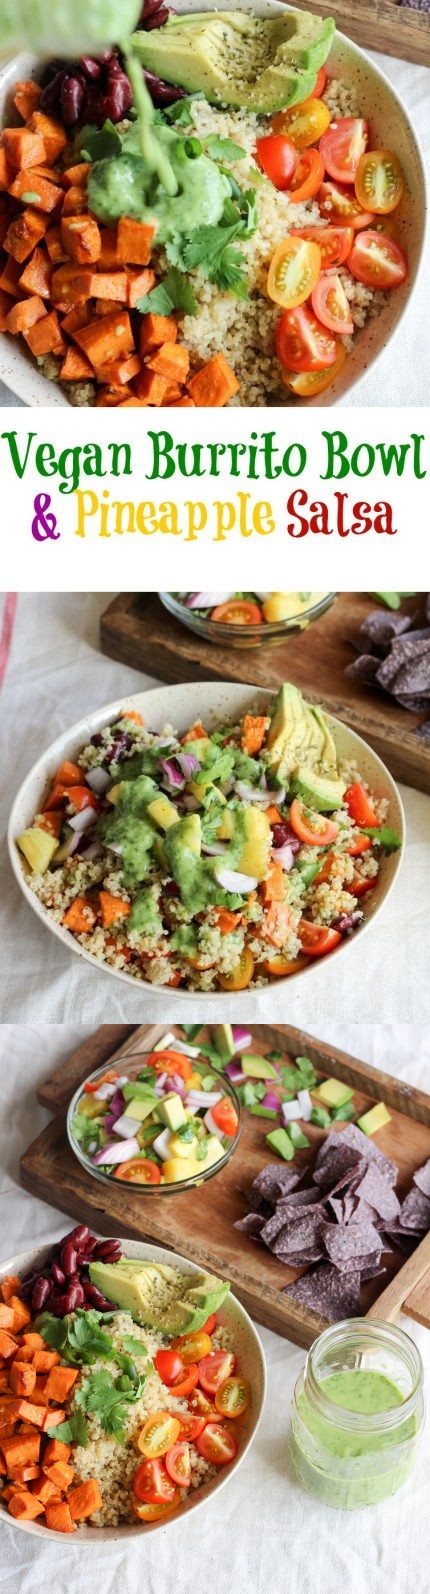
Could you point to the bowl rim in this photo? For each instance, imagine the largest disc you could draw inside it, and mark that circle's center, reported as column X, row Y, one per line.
column 80, row 732
column 21, row 389
column 179, row 1185
column 199, row 1497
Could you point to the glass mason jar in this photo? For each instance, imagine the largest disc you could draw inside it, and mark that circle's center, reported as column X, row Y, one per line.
column 357, row 1413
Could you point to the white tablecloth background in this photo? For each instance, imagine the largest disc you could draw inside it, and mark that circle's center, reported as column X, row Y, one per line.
column 55, row 674
column 263, row 1535
column 402, row 377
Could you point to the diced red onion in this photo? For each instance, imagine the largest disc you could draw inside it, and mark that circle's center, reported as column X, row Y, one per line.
column 117, row 1153
column 206, row 600
column 291, row 1110
column 234, row 1072
column 285, row 856
column 174, row 776
column 109, row 1122
column 255, row 794
column 188, row 763
column 98, row 779
column 117, row 1104
column 160, row 1083
column 83, row 820
column 89, row 848
column 216, row 849
column 231, row 880
column 271, row 1101
column 203, row 1098
column 242, row 1037
column 178, row 1083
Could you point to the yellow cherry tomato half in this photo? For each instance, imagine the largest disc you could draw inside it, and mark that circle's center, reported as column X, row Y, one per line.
column 307, row 384
column 241, row 974
column 303, row 124
column 153, row 1513
column 379, row 181
column 159, row 1433
column 232, row 1397
column 192, row 1347
column 293, row 271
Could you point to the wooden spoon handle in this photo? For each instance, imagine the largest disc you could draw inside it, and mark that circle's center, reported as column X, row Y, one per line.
column 409, row 1291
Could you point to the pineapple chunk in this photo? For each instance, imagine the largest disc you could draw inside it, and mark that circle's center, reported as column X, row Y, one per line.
column 38, row 848
column 182, row 1148
column 177, row 1168
column 163, row 812
column 254, row 858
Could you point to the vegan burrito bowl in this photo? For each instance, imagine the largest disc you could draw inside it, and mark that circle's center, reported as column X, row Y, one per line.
column 122, row 1392
column 205, row 217
column 210, row 861
column 164, row 1122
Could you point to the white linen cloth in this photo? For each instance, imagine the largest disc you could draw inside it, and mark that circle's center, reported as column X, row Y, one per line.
column 262, row 1535
column 402, row 375
column 54, row 675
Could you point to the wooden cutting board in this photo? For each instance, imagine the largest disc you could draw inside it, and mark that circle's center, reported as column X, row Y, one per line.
column 200, row 1223
column 137, row 630
column 381, row 25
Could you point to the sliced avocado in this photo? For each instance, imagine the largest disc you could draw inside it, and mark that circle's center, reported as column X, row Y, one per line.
column 318, row 791
column 171, row 1112
column 298, row 1139
column 300, row 744
column 328, row 756
column 333, row 1093
column 279, row 1141
column 140, row 1107
column 374, row 1119
column 258, row 1067
column 223, row 1040
column 237, row 59
column 159, row 1296
column 38, row 848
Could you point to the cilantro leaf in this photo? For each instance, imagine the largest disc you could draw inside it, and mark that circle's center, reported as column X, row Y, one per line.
column 223, row 149
column 173, row 293
column 157, row 301
column 180, row 113
column 135, row 1347
column 74, row 1431
column 80, row 1340
column 102, row 1395
column 98, row 143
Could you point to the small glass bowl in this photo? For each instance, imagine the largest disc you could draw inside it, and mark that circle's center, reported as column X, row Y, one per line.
column 245, row 636
column 133, row 1065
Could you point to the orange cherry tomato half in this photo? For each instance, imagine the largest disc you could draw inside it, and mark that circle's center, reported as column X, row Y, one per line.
column 379, row 181
column 320, row 84
column 225, row 1116
column 314, row 830
column 331, row 305
column 214, row 1369
column 302, row 344
column 360, row 885
column 178, row 1464
column 152, row 1484
column 232, row 1397
column 201, row 1406
column 192, row 1347
column 237, row 611
column 304, row 124
column 294, row 269
column 170, row 1062
column 307, row 384
column 359, row 806
column 343, row 145
column 279, row 967
column 317, row 939
column 217, row 1444
column 210, row 1324
column 186, row 1380
column 341, row 206
column 241, row 974
column 335, row 243
column 154, row 1513
column 377, row 261
column 358, row 845
column 140, row 1170
column 92, row 1085
column 169, row 1365
column 307, row 177
column 159, row 1433
column 278, row 159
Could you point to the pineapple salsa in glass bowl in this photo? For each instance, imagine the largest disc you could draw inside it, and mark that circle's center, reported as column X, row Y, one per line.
column 246, row 619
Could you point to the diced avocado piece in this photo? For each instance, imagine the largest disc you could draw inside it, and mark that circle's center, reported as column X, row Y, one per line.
column 171, row 1111
column 160, row 1296
column 263, row 1112
column 333, row 1093
column 258, row 1067
column 38, row 848
column 320, row 1117
column 163, row 812
column 318, row 791
column 222, row 1035
column 280, row 1142
column 374, row 1119
column 240, row 60
column 141, row 1107
column 298, row 1139
column 343, row 1114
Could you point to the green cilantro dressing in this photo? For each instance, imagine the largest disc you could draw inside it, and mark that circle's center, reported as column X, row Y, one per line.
column 346, row 1465
column 155, row 179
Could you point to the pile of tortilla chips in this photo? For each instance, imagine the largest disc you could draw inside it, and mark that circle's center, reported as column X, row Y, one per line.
column 396, row 658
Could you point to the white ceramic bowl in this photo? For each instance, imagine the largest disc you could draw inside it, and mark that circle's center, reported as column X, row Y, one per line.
column 391, row 129
column 213, row 702
column 249, row 1351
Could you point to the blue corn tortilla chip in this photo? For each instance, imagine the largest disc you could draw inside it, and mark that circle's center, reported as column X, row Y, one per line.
column 382, row 628
column 422, row 1178
column 375, row 1190
column 342, row 1243
column 274, row 1182
column 327, row 1292
column 252, row 1224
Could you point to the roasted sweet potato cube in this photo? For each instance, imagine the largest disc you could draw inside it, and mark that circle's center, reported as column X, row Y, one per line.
column 36, row 191
column 138, row 284
column 134, row 241
column 8, row 1345
column 85, row 1500
column 43, row 1360
column 25, row 1506
column 56, row 251
column 56, row 1450
column 52, row 134
column 23, row 148
column 59, row 1473
column 46, row 336
column 58, row 1517
column 81, row 238
column 37, row 276
column 21, row 1450
column 75, row 202
column 26, row 98
column 22, row 1377
column 76, row 176
column 155, row 330
column 105, row 339
column 171, row 360
column 23, row 234
column 76, row 367
column 59, row 1383
column 6, row 1316
column 150, row 388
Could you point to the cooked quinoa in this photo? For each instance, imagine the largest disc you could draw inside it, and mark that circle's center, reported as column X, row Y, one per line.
column 192, row 909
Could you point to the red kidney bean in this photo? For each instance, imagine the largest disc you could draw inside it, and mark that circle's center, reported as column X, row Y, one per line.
column 41, row 1294
column 57, row 1274
column 97, row 1299
column 68, row 1259
column 90, row 68
column 73, row 1297
column 105, row 1247
column 159, row 18
column 162, row 93
column 284, row 835
column 80, row 1235
column 72, row 99
column 104, row 58
column 50, row 95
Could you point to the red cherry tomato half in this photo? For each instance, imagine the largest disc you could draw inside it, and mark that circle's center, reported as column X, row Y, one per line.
column 359, row 806
column 358, row 845
column 217, row 1444
column 320, row 84
column 153, row 1485
column 314, row 830
column 170, row 1062
column 201, row 1406
column 359, row 886
column 178, row 1464
column 330, row 304
column 140, row 1170
column 214, row 1369
column 335, row 243
column 169, row 1366
column 191, row 1426
column 225, row 1116
column 307, row 177
column 186, row 1380
column 316, row 940
column 277, row 158
column 340, row 205
column 377, row 261
column 343, row 145
column 209, row 1326
column 301, row 343
column 238, row 611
